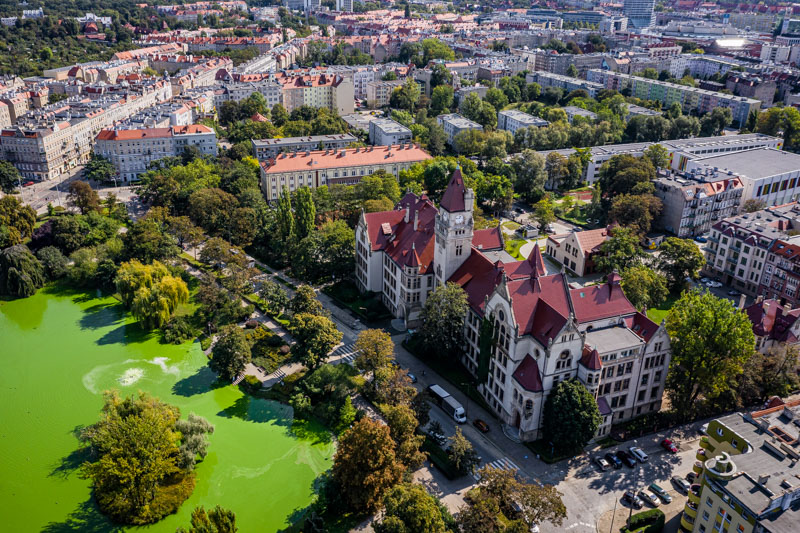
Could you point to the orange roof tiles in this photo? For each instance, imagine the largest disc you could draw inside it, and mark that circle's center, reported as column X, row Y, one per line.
column 319, row 159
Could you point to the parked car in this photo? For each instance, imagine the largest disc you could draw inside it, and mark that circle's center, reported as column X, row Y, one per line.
column 27, row 184
column 638, row 454
column 700, row 239
column 668, row 445
column 602, row 463
column 632, row 499
column 626, row 458
column 691, row 477
column 704, row 280
column 481, row 425
column 438, row 438
column 681, row 484
column 660, row 492
column 733, row 292
column 649, row 498
column 613, row 460
column 412, row 377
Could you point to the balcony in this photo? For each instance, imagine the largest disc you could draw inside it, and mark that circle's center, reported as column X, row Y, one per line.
column 697, row 468
column 687, row 522
column 690, row 510
column 701, row 455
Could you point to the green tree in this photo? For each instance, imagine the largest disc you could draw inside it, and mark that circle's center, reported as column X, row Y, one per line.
column 620, row 252
column 279, row 115
column 711, row 341
column 16, row 221
column 529, row 169
column 557, row 169
column 544, row 211
column 315, row 336
column 304, row 212
column 375, row 350
column 572, row 71
column 441, row 99
column 620, row 174
column 713, row 123
column 21, row 274
column 644, row 287
column 54, row 262
column 480, row 516
column 217, row 520
column 83, row 197
column 9, row 177
column 768, row 374
column 285, row 217
column 443, row 320
column 571, row 416
column 440, row 76
column 635, row 211
column 403, row 426
column 194, row 440
column 274, row 296
column 147, row 240
column 680, row 259
column 461, row 453
column 365, row 466
column 99, row 169
column 305, row 301
column 496, row 97
column 135, row 448
column 408, row 508
column 658, row 155
column 230, row 353
column 436, row 49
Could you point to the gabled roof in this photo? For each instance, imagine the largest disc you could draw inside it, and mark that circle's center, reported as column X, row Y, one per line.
column 488, row 239
column 642, row 326
column 770, row 319
column 453, row 198
column 591, row 240
column 405, row 244
column 540, row 305
column 600, row 301
column 528, row 376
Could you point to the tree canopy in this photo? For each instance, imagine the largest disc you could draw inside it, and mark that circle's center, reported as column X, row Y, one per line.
column 571, row 416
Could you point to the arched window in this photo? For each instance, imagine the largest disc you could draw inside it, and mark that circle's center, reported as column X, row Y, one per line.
column 529, row 405
column 501, row 315
column 564, row 360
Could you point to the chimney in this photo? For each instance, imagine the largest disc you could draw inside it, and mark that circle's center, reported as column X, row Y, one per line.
column 405, row 217
column 742, row 300
column 759, row 299
column 787, row 307
column 762, row 479
column 416, row 219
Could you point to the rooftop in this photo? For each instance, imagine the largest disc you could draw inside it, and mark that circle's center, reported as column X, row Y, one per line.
column 260, row 143
column 608, row 340
column 320, row 159
column 757, row 163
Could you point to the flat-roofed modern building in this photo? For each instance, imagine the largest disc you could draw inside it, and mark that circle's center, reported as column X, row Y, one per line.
column 574, row 111
column 513, row 119
column 691, row 99
column 383, row 131
column 331, row 167
column 266, row 148
column 453, row 124
column 639, row 12
column 567, row 83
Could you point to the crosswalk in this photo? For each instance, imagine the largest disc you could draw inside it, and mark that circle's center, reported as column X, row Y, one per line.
column 346, row 353
column 503, row 464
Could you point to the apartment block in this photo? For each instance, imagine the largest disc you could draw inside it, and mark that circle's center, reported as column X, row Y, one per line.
column 265, row 148
column 334, row 167
column 513, row 119
column 329, row 91
column 454, row 124
column 131, row 151
column 567, row 83
column 746, row 473
column 691, row 99
column 692, row 202
column 384, row 131
column 380, row 92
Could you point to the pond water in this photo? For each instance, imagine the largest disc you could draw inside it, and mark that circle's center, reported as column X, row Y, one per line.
column 60, row 350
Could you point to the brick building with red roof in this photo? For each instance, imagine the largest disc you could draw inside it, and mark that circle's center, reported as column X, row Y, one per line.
column 547, row 330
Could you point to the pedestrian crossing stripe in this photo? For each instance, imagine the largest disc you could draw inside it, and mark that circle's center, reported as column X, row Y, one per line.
column 501, row 464
column 347, row 353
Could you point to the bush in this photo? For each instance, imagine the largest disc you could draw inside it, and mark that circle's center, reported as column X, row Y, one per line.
column 440, row 459
column 251, row 384
column 267, row 349
column 651, row 521
column 177, row 331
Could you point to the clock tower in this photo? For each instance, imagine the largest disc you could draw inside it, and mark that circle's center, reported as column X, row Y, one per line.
column 453, row 228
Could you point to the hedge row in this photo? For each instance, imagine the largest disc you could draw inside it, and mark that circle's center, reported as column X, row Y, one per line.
column 651, row 521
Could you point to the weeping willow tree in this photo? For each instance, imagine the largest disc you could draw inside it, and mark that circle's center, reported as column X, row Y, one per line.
column 150, row 292
column 21, row 274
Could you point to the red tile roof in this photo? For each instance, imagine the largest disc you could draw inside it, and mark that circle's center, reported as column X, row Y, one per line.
column 770, row 319
column 642, row 326
column 453, row 198
column 151, row 133
column 319, row 159
column 599, row 302
column 488, row 239
column 591, row 240
column 591, row 359
column 528, row 376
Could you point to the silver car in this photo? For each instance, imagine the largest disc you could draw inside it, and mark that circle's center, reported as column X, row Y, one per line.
column 649, row 498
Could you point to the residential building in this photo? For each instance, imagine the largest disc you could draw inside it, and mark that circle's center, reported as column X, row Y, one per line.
column 384, row 131
column 331, row 167
column 5, row 115
column 639, row 12
column 775, row 325
column 17, row 105
column 577, row 250
column 739, row 248
column 639, row 111
column 775, row 53
column 746, row 473
column 265, row 148
column 329, row 91
column 574, row 111
column 344, row 5
column 545, row 331
column 691, row 99
column 131, row 151
column 379, row 92
column 752, row 87
column 454, row 124
column 567, row 83
column 781, row 277
column 692, row 202
column 513, row 119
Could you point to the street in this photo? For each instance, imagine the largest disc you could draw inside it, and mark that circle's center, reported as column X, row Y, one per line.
column 588, row 493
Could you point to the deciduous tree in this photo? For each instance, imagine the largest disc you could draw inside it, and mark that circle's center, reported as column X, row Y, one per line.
column 231, row 353
column 365, row 466
column 680, row 259
column 217, row 520
column 315, row 336
column 21, row 274
column 571, row 416
column 620, row 252
column 711, row 341
column 462, row 453
column 82, row 197
column 644, row 287
column 305, row 301
column 408, row 508
column 375, row 350
column 443, row 320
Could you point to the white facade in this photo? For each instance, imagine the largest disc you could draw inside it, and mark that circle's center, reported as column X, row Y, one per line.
column 384, row 131
column 639, row 12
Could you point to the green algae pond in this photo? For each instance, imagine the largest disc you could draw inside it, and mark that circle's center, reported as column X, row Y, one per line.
column 60, row 350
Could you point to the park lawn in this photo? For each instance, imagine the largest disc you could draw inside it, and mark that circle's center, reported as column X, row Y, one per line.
column 510, row 224
column 657, row 314
column 513, row 246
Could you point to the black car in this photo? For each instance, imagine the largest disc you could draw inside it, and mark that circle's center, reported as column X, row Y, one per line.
column 613, row 461
column 626, row 458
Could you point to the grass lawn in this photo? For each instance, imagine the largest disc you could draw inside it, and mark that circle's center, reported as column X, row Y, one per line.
column 510, row 224
column 366, row 305
column 513, row 246
column 657, row 314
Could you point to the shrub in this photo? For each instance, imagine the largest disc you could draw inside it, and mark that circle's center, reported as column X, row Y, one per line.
column 651, row 521
column 177, row 331
column 251, row 384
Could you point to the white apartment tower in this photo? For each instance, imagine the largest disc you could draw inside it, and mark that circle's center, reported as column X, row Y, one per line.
column 639, row 12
